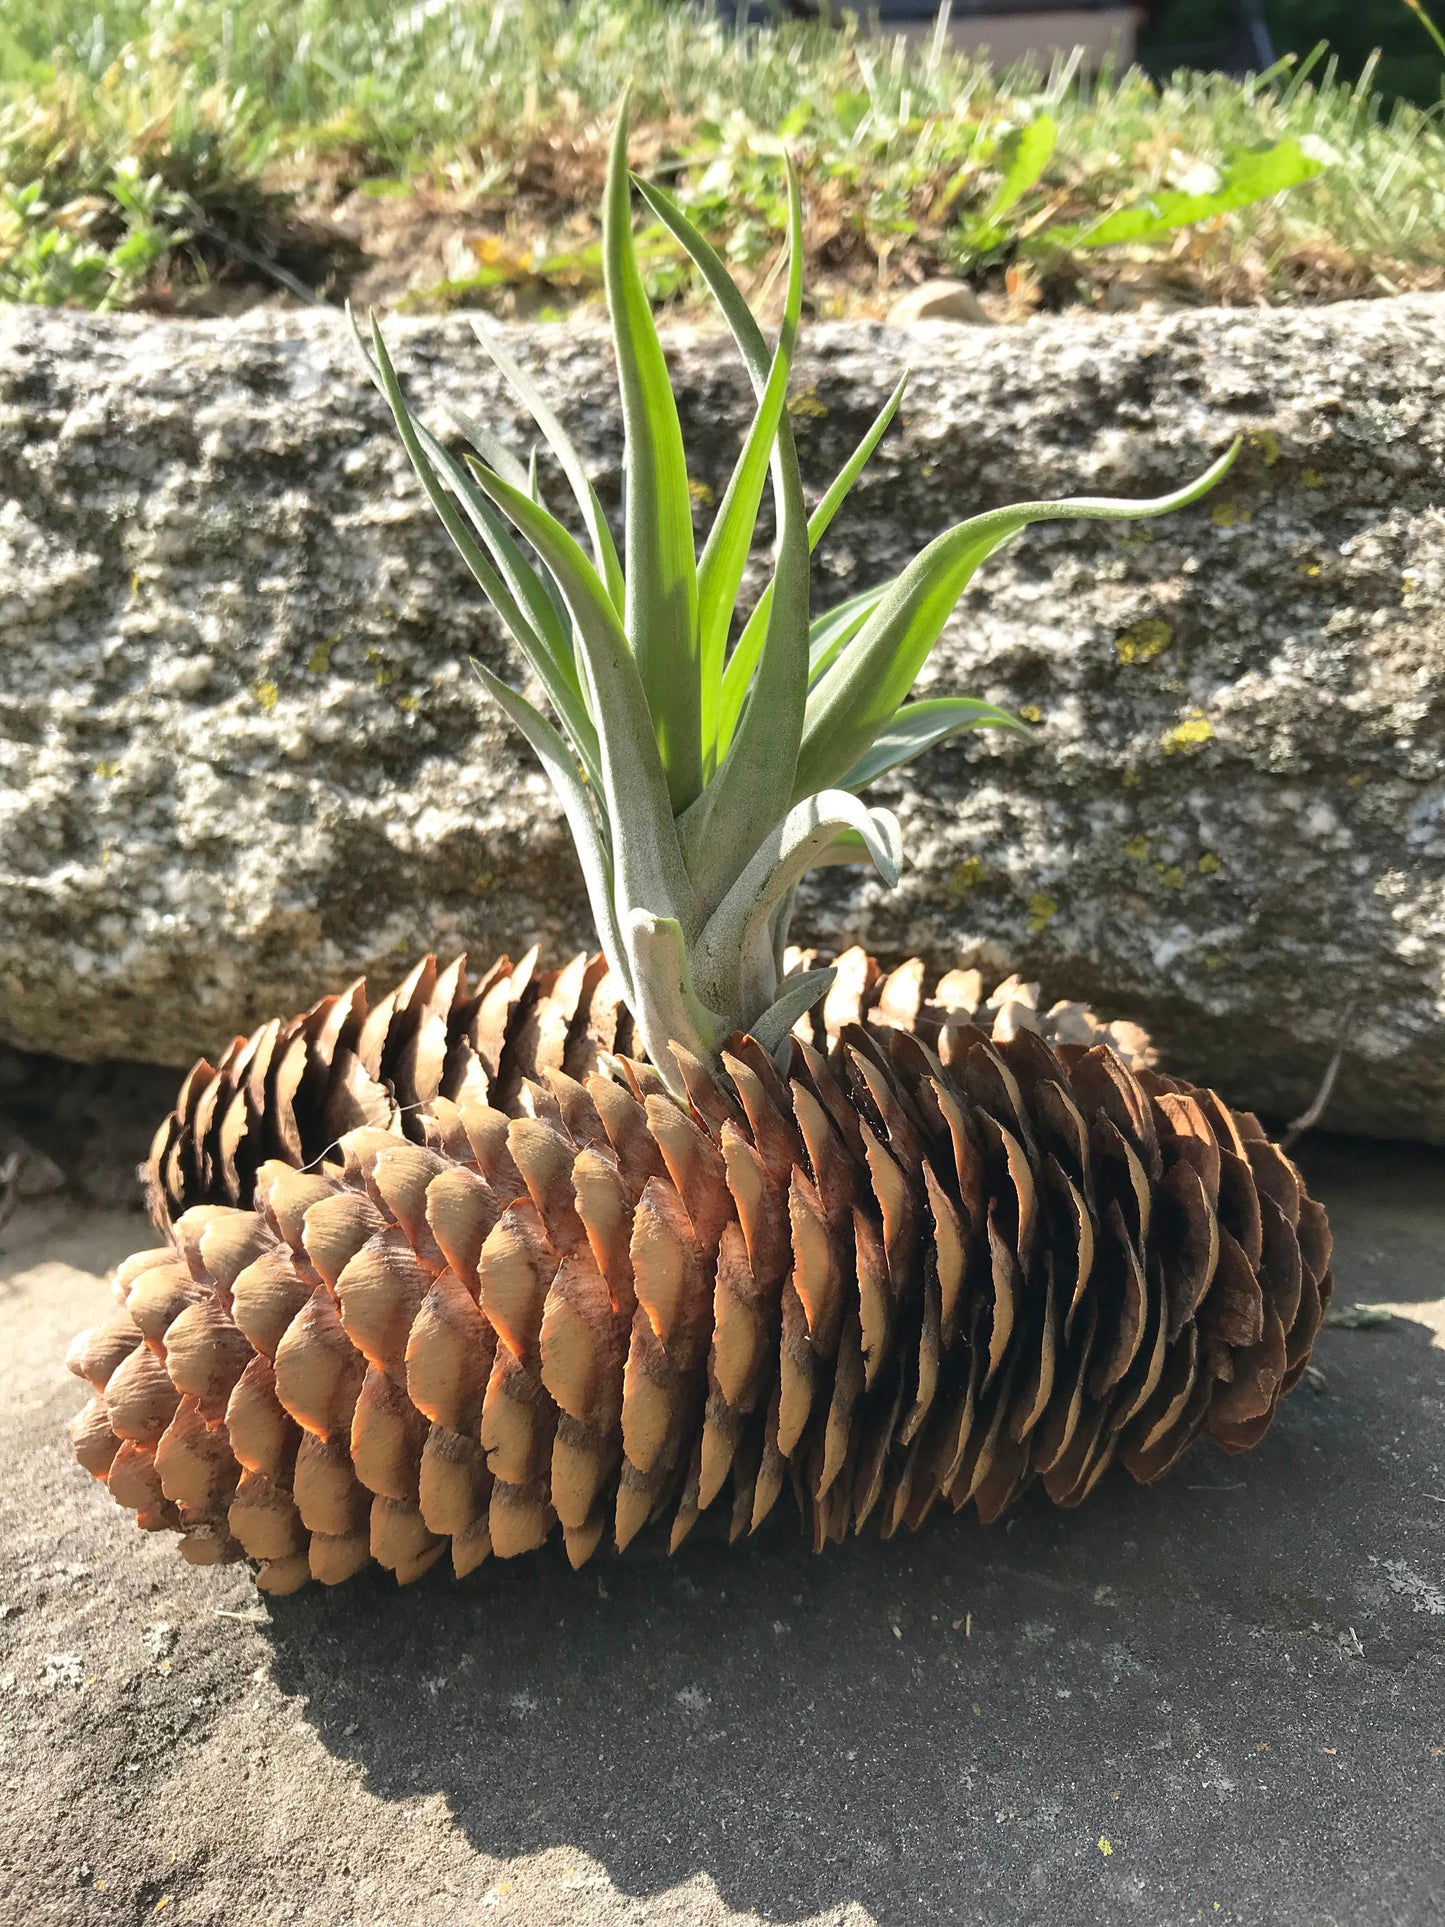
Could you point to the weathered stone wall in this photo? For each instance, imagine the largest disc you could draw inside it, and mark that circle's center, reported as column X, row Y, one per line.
column 242, row 758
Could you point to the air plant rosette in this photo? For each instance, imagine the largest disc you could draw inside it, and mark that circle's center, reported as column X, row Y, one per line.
column 689, row 1227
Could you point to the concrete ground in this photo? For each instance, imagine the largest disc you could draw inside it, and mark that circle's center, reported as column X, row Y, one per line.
column 1221, row 1700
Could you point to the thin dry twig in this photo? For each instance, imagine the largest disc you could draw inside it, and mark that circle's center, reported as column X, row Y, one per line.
column 1311, row 1116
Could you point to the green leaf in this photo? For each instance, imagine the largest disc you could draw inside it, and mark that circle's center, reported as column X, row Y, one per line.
column 832, row 631
column 750, row 793
column 744, row 660
column 661, row 562
column 578, row 807
column 842, row 483
column 604, row 549
column 646, row 854
column 868, row 683
column 1251, row 176
column 1030, row 151
column 730, row 540
column 917, row 727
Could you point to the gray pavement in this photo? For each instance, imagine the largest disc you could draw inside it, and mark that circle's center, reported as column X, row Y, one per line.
column 1219, row 1700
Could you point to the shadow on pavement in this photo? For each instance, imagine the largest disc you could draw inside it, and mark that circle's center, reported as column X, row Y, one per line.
column 1228, row 1689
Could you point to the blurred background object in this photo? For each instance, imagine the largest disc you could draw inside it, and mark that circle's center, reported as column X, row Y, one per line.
column 1217, row 36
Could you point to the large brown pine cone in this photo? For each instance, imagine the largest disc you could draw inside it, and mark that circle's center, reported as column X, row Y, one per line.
column 293, row 1089
column 902, row 1274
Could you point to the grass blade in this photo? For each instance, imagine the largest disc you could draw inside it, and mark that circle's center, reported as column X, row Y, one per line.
column 661, row 590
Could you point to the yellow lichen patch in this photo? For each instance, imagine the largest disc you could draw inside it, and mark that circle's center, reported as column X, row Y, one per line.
column 1144, row 641
column 1195, row 730
column 1267, row 442
column 1229, row 515
column 485, row 880
column 408, row 703
column 1137, row 847
column 1309, row 568
column 1042, row 911
column 699, row 493
column 1031, row 713
column 1132, row 779
column 1212, row 961
column 319, row 661
column 1170, row 875
column 1105, row 1847
column 1312, row 478
column 806, row 403
column 385, row 673
column 1357, row 781
column 266, row 694
column 1209, row 864
column 964, row 875
column 107, row 770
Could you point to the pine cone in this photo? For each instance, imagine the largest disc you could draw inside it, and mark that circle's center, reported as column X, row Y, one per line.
column 293, row 1089
column 901, row 1275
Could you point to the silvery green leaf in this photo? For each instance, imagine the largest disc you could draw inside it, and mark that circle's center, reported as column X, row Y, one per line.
column 782, row 918
column 494, row 453
column 839, row 488
column 578, row 807
column 647, row 858
column 725, row 554
column 796, row 997
column 665, row 1005
column 734, row 955
column 604, row 549
column 917, row 727
column 556, row 673
column 535, row 594
column 872, row 677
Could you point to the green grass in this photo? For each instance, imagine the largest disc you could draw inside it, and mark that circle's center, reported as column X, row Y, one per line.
column 161, row 150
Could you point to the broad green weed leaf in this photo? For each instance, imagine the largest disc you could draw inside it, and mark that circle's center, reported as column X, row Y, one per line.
column 1251, row 176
